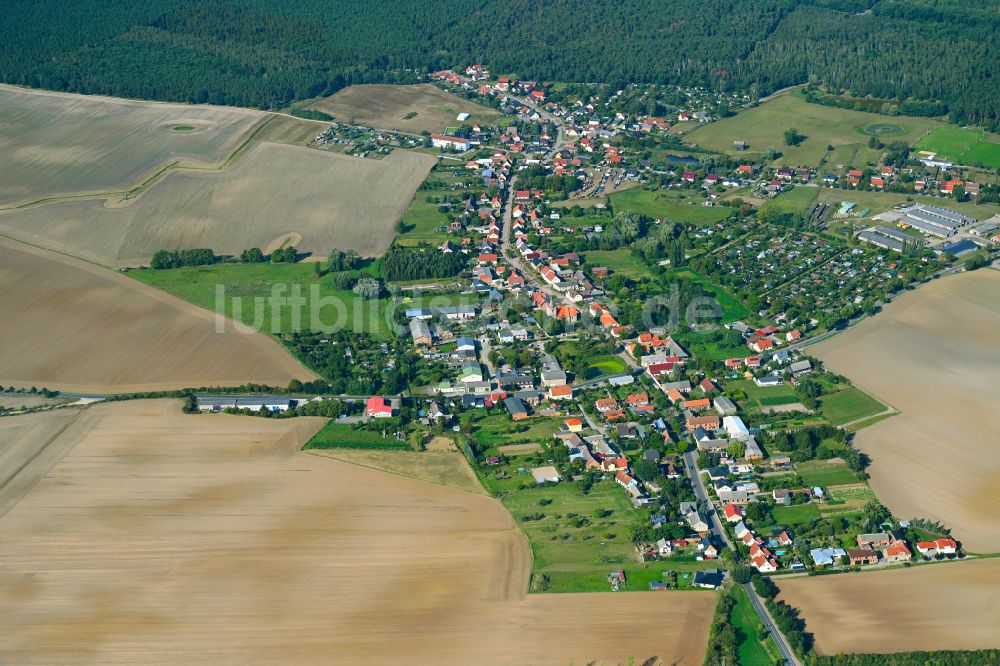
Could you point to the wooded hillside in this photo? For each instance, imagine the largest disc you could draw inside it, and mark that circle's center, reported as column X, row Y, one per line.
column 265, row 54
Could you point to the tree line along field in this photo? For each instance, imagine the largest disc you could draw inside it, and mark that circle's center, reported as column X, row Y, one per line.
column 328, row 200
column 413, row 108
column 79, row 327
column 224, row 506
column 55, row 145
column 963, row 146
column 762, row 127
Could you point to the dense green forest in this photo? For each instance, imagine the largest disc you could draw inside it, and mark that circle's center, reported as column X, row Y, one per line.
column 262, row 53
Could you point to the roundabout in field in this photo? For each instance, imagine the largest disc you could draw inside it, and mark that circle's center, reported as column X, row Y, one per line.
column 881, row 129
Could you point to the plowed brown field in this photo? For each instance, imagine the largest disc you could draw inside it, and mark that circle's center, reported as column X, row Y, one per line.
column 72, row 326
column 164, row 538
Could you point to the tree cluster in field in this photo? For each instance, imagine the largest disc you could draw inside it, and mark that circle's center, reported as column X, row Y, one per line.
column 402, row 265
column 163, row 259
column 812, row 444
column 353, row 363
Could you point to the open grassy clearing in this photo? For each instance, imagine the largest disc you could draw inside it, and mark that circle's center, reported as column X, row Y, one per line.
column 758, row 396
column 963, row 146
column 274, row 556
column 329, row 200
column 887, row 611
column 619, row 261
column 732, row 307
column 762, row 127
column 423, row 216
column 248, row 282
column 497, row 428
column 944, row 437
column 848, row 406
column 796, row 200
column 825, row 473
column 557, row 544
column 409, row 108
column 84, row 328
column 671, row 205
column 335, row 435
column 54, row 144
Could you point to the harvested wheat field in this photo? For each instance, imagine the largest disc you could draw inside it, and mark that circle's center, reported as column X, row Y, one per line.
column 933, row 355
column 55, row 144
column 165, row 538
column 948, row 606
column 329, row 200
column 390, row 107
column 74, row 326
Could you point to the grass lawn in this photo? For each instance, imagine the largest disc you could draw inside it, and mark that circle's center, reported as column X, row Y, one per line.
column 752, row 652
column 672, row 205
column 759, row 397
column 498, row 428
column 696, row 343
column 244, row 283
column 619, row 261
column 798, row 199
column 341, row 435
column 763, row 127
column 566, row 532
column 732, row 308
column 844, row 156
column 849, row 405
column 423, row 217
column 605, row 366
column 795, row 514
column 964, row 146
column 825, row 473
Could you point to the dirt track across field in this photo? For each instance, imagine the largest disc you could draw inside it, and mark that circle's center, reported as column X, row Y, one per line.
column 164, row 538
column 947, row 606
column 933, row 355
column 76, row 327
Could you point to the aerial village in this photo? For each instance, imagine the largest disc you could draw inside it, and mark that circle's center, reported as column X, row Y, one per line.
column 701, row 438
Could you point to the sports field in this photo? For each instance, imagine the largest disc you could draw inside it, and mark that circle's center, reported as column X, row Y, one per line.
column 963, row 146
column 931, row 354
column 55, row 144
column 82, row 328
column 888, row 611
column 328, row 200
column 409, row 108
column 674, row 206
column 763, row 127
column 218, row 541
